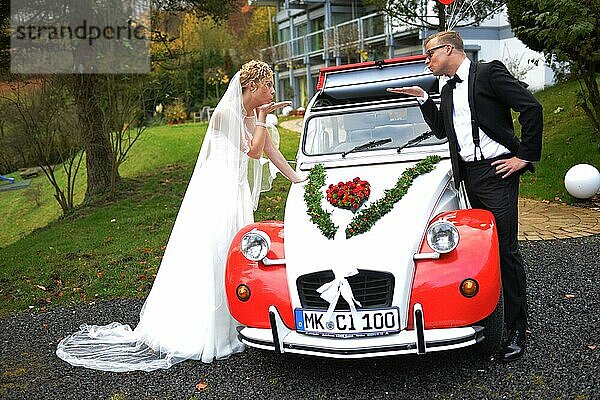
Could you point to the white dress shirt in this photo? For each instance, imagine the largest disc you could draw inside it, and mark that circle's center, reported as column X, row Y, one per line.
column 461, row 115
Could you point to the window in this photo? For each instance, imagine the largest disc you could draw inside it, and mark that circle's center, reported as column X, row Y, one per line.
column 299, row 39
column 341, row 132
column 285, row 34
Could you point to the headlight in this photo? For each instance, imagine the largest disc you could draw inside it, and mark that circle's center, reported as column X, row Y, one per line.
column 255, row 245
column 442, row 236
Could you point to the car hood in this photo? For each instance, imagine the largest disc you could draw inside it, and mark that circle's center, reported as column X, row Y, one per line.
column 390, row 244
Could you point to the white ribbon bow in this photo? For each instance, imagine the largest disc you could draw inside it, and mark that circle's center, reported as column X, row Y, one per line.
column 331, row 291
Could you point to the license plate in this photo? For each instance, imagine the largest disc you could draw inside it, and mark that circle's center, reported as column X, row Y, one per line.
column 344, row 324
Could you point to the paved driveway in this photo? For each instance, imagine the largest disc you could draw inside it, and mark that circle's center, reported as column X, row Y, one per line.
column 563, row 359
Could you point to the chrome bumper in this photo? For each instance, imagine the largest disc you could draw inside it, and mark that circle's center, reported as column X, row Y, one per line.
column 418, row 341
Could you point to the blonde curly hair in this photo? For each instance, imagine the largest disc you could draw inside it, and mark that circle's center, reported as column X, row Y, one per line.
column 254, row 71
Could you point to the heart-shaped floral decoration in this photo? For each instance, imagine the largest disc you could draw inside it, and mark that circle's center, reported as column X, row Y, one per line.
column 349, row 195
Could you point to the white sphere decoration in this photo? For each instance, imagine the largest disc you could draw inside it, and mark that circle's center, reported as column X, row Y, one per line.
column 272, row 119
column 287, row 110
column 582, row 181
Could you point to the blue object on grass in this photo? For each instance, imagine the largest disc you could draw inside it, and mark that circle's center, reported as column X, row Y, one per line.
column 3, row 178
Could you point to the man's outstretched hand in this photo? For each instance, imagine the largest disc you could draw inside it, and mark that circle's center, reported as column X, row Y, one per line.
column 415, row 91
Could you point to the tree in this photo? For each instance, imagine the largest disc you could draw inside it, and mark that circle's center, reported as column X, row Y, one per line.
column 189, row 47
column 40, row 112
column 258, row 33
column 87, row 92
column 4, row 36
column 566, row 31
column 218, row 10
column 432, row 14
column 123, row 115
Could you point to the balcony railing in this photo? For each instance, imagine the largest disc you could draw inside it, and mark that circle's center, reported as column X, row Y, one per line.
column 351, row 35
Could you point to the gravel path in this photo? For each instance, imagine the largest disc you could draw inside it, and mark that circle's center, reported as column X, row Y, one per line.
column 562, row 361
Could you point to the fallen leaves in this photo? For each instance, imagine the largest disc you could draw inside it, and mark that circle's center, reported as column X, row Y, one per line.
column 570, row 296
column 202, row 385
column 57, row 281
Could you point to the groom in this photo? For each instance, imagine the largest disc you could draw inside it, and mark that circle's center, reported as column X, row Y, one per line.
column 475, row 116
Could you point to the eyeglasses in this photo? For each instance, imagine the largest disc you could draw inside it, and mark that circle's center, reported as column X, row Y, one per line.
column 431, row 51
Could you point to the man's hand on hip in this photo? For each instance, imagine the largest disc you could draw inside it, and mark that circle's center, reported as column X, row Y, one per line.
column 509, row 166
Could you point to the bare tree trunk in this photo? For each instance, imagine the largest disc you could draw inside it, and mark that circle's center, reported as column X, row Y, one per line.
column 41, row 113
column 589, row 95
column 96, row 143
column 441, row 11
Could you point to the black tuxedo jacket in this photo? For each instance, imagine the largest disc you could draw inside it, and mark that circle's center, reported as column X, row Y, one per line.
column 493, row 92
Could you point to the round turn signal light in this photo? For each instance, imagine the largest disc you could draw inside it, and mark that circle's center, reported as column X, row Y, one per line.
column 243, row 292
column 469, row 287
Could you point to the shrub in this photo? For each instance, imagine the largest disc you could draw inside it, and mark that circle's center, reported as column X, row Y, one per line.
column 175, row 113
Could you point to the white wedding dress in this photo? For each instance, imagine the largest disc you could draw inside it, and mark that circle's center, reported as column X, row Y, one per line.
column 186, row 315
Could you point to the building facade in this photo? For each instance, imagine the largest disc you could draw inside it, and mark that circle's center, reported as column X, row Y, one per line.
column 316, row 33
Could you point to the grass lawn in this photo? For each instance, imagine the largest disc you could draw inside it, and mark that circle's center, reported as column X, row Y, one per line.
column 114, row 249
column 27, row 209
column 568, row 140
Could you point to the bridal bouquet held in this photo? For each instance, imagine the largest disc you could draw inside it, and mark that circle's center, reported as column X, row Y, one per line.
column 186, row 315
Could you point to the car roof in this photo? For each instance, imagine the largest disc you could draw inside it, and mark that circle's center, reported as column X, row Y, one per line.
column 369, row 81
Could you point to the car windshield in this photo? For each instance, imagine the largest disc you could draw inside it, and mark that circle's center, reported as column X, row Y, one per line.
column 337, row 133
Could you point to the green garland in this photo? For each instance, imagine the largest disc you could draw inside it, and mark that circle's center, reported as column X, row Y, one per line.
column 313, row 197
column 365, row 219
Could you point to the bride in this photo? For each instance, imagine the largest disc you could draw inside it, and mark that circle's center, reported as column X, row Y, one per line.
column 185, row 315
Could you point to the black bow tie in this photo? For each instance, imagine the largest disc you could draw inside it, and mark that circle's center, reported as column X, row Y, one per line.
column 453, row 81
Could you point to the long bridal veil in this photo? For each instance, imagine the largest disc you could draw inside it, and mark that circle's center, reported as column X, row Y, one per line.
column 185, row 315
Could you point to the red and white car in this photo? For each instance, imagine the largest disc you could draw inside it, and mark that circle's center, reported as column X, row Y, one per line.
column 412, row 270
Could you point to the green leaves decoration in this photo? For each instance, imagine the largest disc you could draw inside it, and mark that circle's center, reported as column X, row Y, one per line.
column 313, row 197
column 364, row 220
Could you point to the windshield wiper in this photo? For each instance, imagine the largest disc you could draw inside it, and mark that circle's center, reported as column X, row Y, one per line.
column 415, row 141
column 371, row 144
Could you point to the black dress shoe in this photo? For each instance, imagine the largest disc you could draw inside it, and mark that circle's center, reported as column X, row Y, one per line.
column 514, row 347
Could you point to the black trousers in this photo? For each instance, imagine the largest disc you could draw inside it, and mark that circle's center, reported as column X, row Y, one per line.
column 490, row 192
